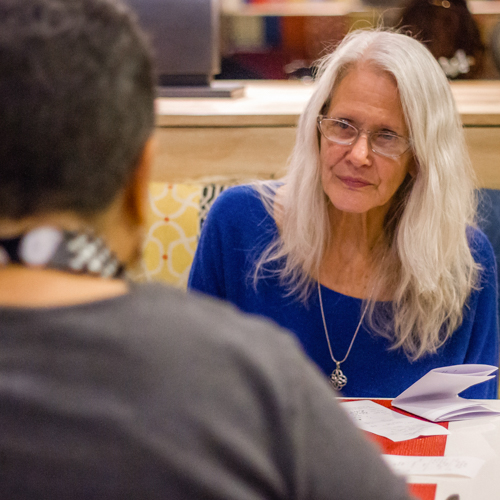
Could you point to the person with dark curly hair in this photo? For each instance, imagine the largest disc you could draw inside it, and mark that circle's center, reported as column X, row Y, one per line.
column 450, row 32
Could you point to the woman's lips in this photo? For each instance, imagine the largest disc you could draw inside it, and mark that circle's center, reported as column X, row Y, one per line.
column 353, row 182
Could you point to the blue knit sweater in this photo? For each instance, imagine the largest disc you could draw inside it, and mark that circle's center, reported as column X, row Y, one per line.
column 238, row 228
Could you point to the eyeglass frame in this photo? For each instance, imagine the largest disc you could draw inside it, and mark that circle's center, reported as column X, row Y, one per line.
column 368, row 133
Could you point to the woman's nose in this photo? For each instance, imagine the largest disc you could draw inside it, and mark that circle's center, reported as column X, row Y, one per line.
column 360, row 150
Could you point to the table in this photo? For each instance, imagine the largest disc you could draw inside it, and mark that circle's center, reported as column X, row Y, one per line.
column 252, row 137
column 474, row 438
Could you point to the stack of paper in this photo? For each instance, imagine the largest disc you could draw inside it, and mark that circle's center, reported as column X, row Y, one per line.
column 435, row 395
column 377, row 419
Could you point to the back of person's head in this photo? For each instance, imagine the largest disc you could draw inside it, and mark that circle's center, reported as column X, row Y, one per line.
column 76, row 104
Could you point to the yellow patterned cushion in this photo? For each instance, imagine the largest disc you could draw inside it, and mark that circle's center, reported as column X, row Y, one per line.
column 171, row 233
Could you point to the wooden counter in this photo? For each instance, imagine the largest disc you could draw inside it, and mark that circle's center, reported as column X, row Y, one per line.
column 236, row 139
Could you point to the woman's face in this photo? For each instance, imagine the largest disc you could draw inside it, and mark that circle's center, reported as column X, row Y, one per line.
column 354, row 178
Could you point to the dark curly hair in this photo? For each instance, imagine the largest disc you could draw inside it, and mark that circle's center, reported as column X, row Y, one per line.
column 76, row 104
column 445, row 26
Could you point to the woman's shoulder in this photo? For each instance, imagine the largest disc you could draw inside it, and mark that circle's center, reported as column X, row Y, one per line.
column 240, row 201
column 239, row 209
column 484, row 255
column 235, row 198
column 480, row 245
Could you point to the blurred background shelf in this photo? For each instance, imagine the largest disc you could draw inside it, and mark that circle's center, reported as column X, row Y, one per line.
column 282, row 40
column 337, row 8
column 331, row 8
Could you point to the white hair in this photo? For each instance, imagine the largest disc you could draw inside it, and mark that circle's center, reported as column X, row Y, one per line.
column 428, row 263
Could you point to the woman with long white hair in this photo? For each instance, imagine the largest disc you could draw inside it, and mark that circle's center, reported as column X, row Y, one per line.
column 368, row 249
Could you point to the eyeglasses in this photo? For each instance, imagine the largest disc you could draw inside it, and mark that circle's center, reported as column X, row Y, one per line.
column 381, row 142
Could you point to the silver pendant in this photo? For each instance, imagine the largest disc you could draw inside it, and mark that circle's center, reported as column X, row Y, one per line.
column 338, row 379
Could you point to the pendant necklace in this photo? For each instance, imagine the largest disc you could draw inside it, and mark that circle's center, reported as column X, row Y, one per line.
column 337, row 377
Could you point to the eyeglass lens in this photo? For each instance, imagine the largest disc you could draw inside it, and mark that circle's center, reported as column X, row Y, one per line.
column 381, row 142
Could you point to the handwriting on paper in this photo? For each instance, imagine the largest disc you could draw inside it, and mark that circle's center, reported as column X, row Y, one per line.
column 434, row 466
column 377, row 419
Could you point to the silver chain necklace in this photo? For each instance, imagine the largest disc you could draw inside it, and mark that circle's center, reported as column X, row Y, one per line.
column 337, row 377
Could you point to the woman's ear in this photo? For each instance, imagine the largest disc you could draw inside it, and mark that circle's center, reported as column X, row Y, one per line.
column 413, row 166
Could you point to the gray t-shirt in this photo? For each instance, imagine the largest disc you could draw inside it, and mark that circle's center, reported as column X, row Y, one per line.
column 156, row 394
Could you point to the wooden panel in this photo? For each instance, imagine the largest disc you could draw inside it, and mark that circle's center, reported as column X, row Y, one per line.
column 478, row 101
column 484, row 148
column 192, row 154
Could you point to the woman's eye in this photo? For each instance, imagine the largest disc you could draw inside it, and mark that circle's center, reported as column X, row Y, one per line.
column 341, row 125
column 386, row 137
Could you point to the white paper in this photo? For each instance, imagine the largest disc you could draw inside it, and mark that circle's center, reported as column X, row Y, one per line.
column 377, row 419
column 435, row 395
column 434, row 466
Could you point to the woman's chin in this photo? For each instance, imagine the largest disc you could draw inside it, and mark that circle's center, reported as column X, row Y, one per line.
column 352, row 202
column 359, row 206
